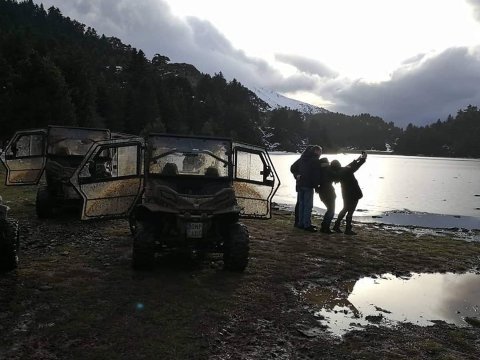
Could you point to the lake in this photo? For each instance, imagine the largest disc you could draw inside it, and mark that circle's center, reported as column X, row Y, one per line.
column 402, row 190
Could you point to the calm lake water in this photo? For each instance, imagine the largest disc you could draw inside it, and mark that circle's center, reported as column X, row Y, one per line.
column 404, row 190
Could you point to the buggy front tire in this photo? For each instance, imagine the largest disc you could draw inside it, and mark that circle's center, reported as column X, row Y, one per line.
column 9, row 245
column 236, row 248
column 44, row 203
column 143, row 251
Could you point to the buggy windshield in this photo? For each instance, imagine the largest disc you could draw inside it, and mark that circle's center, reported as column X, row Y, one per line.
column 73, row 141
column 184, row 156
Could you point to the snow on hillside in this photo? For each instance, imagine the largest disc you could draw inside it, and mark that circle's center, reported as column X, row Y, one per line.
column 275, row 100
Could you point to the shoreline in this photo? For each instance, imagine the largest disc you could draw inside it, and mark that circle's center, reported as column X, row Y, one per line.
column 464, row 227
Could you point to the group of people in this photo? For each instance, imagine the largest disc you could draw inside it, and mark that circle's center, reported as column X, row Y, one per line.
column 315, row 174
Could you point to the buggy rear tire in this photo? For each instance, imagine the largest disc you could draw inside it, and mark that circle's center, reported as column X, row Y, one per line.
column 44, row 203
column 143, row 251
column 9, row 245
column 236, row 248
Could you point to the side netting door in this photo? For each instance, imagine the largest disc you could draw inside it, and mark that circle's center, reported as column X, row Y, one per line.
column 24, row 157
column 110, row 178
column 255, row 180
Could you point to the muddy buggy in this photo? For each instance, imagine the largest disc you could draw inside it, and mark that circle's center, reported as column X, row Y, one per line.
column 9, row 240
column 182, row 193
column 57, row 151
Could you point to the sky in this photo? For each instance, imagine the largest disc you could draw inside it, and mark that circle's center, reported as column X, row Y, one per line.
column 407, row 61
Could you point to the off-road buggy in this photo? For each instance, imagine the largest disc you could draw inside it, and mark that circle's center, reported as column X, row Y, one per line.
column 181, row 193
column 58, row 151
column 9, row 240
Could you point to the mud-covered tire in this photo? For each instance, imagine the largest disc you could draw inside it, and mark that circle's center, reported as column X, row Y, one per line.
column 44, row 203
column 143, row 251
column 236, row 248
column 9, row 245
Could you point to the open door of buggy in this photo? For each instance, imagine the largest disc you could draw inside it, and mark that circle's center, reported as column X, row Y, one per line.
column 255, row 180
column 110, row 178
column 24, row 157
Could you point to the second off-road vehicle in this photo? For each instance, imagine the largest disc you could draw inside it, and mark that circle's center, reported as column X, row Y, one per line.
column 56, row 151
column 180, row 192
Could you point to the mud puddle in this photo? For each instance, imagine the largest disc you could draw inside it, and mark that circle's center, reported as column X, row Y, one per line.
column 388, row 300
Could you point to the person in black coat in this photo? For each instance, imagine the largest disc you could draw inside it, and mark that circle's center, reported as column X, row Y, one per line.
column 326, row 191
column 351, row 191
column 294, row 169
column 304, row 171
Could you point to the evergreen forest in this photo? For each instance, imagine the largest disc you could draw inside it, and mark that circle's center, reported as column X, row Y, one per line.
column 57, row 71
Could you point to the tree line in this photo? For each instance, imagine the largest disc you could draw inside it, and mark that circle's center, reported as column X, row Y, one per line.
column 57, row 71
column 333, row 131
column 455, row 137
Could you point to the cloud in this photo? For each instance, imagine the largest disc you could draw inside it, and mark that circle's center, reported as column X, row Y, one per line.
column 458, row 292
column 476, row 8
column 414, row 59
column 306, row 65
column 419, row 92
column 296, row 82
column 150, row 25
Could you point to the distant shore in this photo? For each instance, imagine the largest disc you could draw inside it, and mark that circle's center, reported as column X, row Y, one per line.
column 378, row 152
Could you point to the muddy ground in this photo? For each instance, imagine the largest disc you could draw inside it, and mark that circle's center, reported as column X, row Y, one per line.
column 74, row 295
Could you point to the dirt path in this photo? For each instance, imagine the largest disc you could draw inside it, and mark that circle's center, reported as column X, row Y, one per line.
column 75, row 296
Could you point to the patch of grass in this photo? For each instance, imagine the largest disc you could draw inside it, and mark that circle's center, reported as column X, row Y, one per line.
column 431, row 347
column 119, row 230
column 461, row 340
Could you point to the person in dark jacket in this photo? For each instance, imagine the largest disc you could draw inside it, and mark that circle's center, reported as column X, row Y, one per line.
column 326, row 191
column 351, row 191
column 304, row 171
column 294, row 170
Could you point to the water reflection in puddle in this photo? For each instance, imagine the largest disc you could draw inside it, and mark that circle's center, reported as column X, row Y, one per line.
column 387, row 300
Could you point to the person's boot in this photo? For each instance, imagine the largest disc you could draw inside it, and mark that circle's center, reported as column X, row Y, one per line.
column 336, row 227
column 310, row 228
column 349, row 231
column 325, row 228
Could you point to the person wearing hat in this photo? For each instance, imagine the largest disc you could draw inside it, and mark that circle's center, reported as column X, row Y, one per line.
column 351, row 191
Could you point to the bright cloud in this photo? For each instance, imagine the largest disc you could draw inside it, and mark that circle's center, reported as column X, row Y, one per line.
column 476, row 8
column 308, row 66
column 421, row 92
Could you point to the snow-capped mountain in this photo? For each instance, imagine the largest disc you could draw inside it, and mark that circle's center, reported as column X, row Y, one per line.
column 275, row 100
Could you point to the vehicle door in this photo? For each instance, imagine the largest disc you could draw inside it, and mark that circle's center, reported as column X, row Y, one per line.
column 110, row 178
column 24, row 157
column 255, row 180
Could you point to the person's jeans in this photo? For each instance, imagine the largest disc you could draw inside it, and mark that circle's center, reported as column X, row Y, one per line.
column 328, row 216
column 329, row 202
column 305, row 205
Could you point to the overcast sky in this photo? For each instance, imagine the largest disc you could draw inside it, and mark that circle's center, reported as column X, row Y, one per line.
column 408, row 61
